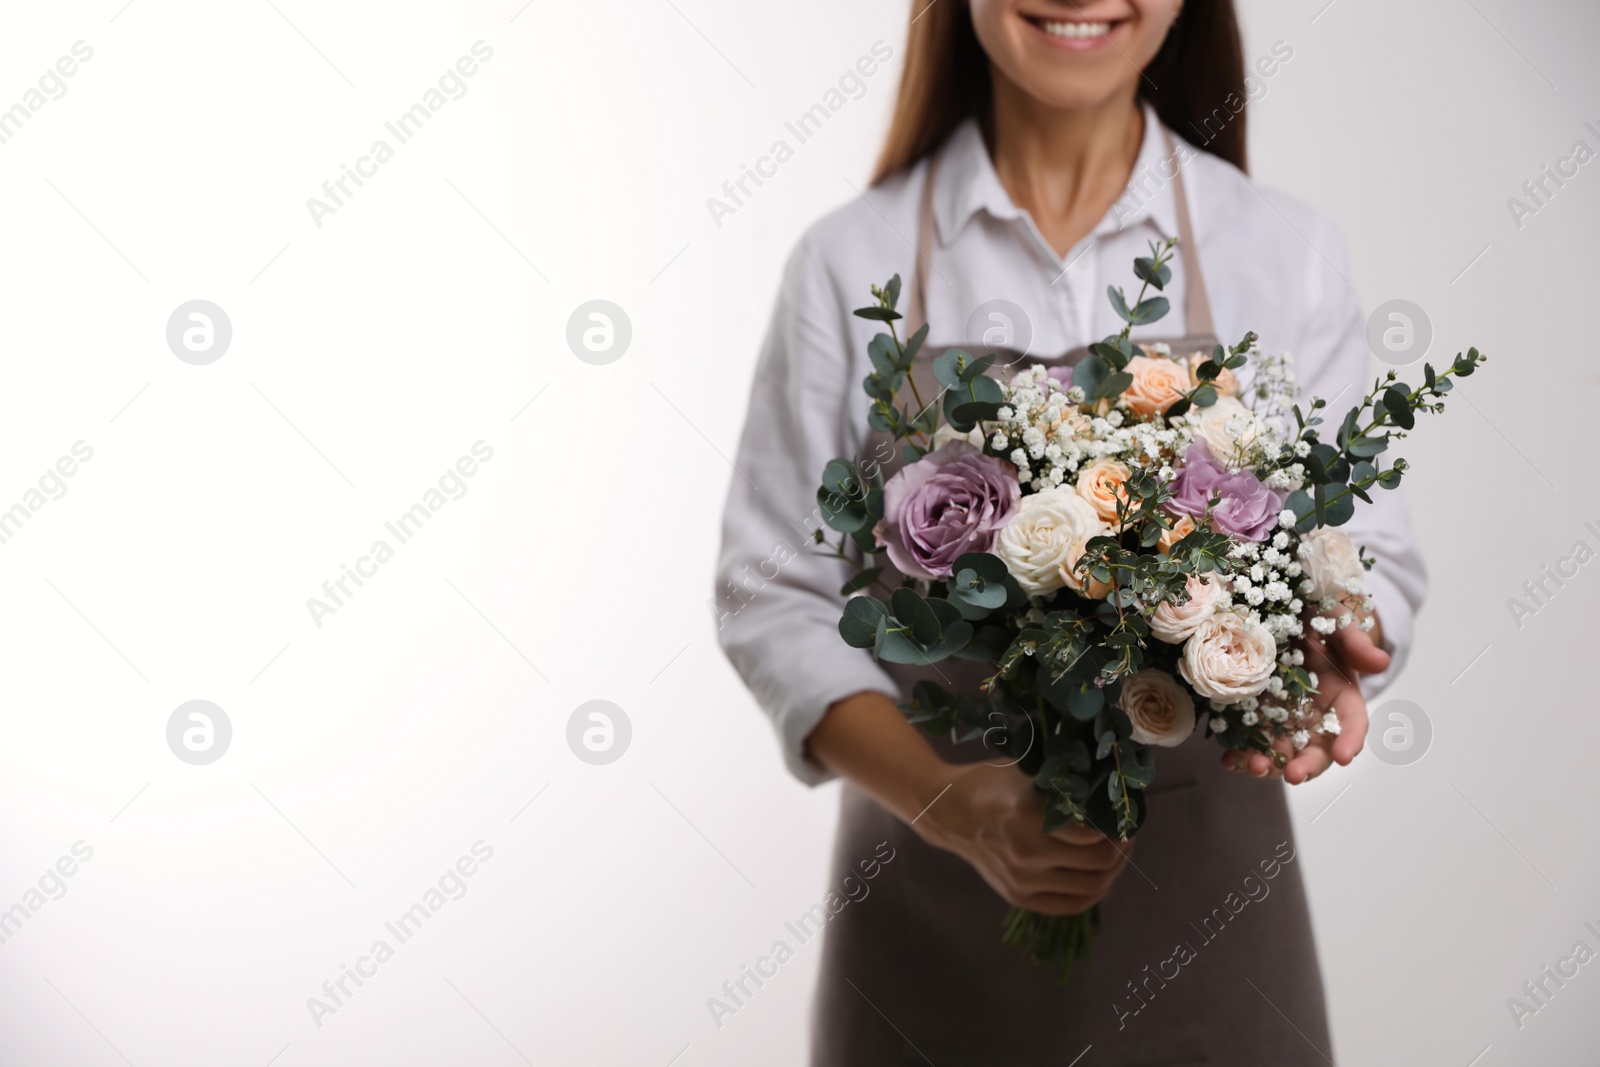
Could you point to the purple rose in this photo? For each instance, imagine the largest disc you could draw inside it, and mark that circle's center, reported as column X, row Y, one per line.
column 1248, row 510
column 948, row 503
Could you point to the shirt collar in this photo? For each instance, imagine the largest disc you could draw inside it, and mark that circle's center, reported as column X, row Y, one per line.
column 967, row 184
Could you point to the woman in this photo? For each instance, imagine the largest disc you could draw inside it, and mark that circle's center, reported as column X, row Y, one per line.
column 1036, row 148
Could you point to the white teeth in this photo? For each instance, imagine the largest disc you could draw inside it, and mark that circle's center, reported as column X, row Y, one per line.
column 1076, row 30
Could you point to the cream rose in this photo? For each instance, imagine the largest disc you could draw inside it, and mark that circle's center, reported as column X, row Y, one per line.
column 1161, row 712
column 1228, row 657
column 1331, row 562
column 1157, row 384
column 1229, row 428
column 1100, row 483
column 1045, row 537
column 1174, row 623
column 1227, row 384
column 945, row 434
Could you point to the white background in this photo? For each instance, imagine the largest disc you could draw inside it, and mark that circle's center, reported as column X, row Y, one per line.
column 430, row 313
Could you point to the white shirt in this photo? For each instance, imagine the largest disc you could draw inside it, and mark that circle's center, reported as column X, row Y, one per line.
column 1271, row 265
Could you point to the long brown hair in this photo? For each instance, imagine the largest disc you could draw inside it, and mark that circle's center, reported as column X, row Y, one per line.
column 1197, row 77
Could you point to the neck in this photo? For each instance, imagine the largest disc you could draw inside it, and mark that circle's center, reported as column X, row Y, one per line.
column 1064, row 167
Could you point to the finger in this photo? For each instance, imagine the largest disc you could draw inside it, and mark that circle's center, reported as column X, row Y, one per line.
column 1261, row 765
column 1060, row 883
column 1055, row 903
column 1352, row 711
column 1044, row 853
column 1074, row 833
column 1312, row 761
column 1358, row 651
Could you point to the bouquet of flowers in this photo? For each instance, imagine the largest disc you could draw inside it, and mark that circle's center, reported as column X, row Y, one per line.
column 1125, row 548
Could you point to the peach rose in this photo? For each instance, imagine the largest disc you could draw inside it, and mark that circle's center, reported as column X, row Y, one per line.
column 1161, row 712
column 1180, row 529
column 1174, row 623
column 1228, row 657
column 1226, row 383
column 1157, row 384
column 1101, row 484
column 1090, row 587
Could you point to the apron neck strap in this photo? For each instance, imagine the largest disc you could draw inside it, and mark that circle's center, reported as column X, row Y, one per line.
column 1197, row 306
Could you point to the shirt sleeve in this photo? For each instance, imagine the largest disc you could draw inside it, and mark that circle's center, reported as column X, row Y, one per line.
column 1333, row 362
column 777, row 601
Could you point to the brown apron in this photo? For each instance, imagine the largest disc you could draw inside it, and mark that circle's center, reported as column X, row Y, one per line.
column 1202, row 958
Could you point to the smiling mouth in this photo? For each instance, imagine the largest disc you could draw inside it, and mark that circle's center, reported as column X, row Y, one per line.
column 1074, row 30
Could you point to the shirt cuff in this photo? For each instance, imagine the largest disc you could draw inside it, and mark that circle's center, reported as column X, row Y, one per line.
column 798, row 705
column 1394, row 612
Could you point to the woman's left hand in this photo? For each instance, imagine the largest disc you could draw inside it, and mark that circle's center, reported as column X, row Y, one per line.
column 1339, row 661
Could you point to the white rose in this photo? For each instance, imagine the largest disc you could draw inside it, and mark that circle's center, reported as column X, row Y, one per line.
column 1173, row 623
column 1228, row 657
column 1161, row 712
column 1331, row 562
column 1211, row 425
column 1045, row 537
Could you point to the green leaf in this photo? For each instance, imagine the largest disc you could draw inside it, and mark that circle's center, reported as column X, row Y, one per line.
column 1114, row 384
column 979, row 366
column 893, row 290
column 948, row 367
column 1114, row 350
column 1146, row 311
column 859, row 623
column 1145, row 269
column 877, row 314
column 970, row 587
column 1103, row 750
column 1089, row 373
column 912, row 610
column 1204, row 396
column 1367, row 447
column 913, row 346
column 1085, row 701
column 1396, row 399
column 883, row 353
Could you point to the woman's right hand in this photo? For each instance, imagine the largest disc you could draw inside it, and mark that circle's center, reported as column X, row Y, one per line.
column 992, row 818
